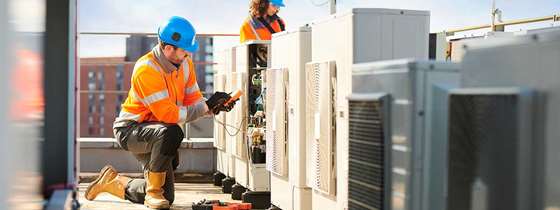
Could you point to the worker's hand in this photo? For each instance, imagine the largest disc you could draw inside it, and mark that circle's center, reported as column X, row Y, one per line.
column 217, row 101
column 228, row 107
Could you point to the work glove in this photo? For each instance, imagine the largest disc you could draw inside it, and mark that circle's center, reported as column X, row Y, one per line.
column 227, row 107
column 216, row 102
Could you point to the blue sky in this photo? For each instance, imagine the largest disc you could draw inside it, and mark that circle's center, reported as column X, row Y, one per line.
column 221, row 16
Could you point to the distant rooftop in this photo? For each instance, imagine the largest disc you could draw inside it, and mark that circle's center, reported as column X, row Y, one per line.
column 102, row 60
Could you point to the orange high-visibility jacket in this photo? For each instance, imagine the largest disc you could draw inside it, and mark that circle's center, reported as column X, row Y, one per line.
column 253, row 29
column 156, row 95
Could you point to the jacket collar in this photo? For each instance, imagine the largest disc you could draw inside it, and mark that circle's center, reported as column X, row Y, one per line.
column 162, row 60
column 258, row 24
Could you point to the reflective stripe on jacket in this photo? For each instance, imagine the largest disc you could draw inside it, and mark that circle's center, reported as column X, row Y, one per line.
column 159, row 96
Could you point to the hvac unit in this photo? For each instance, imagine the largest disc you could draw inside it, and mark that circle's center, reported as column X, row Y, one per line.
column 529, row 61
column 219, row 129
column 369, row 175
column 489, row 145
column 239, row 116
column 230, row 117
column 357, row 36
column 277, row 156
column 291, row 50
column 219, row 137
column 320, row 126
column 220, row 85
column 222, row 82
column 405, row 91
column 250, row 150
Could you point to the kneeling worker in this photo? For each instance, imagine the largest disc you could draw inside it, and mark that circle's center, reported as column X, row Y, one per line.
column 163, row 95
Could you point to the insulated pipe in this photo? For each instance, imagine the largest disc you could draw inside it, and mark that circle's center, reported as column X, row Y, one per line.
column 553, row 18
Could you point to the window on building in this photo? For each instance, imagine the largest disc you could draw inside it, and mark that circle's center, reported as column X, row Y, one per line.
column 101, row 124
column 91, row 80
column 209, row 57
column 90, row 124
column 209, row 69
column 120, row 99
column 91, row 103
column 209, row 79
column 101, row 80
column 120, row 77
column 102, row 103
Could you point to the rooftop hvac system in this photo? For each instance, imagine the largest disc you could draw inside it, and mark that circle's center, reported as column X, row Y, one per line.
column 224, row 69
column 249, row 149
column 357, row 36
column 530, row 62
column 320, row 124
column 398, row 131
column 290, row 51
column 369, row 177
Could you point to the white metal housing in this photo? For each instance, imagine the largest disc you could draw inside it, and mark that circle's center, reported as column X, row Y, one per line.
column 291, row 50
column 418, row 154
column 224, row 69
column 530, row 61
column 355, row 36
column 254, row 177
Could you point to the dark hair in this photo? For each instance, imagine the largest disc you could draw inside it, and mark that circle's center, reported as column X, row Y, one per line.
column 163, row 44
column 258, row 8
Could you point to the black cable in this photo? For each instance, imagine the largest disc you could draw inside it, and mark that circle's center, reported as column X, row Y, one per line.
column 231, row 126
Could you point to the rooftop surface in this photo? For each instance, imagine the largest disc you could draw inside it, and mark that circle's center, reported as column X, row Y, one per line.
column 185, row 195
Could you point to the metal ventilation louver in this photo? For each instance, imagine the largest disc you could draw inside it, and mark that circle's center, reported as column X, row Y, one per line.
column 369, row 152
column 276, row 146
column 320, row 126
column 489, row 149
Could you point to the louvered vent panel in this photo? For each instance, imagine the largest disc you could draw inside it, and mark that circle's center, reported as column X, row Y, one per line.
column 321, row 126
column 483, row 149
column 276, row 128
column 368, row 153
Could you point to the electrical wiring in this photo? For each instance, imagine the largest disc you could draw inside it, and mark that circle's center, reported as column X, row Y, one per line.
column 238, row 129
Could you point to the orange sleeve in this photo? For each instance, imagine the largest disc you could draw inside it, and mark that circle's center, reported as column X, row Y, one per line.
column 246, row 33
column 192, row 91
column 149, row 87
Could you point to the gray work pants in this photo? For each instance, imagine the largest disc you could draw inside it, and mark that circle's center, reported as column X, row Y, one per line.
column 154, row 145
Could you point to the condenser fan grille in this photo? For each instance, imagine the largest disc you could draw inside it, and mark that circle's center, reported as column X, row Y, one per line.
column 366, row 155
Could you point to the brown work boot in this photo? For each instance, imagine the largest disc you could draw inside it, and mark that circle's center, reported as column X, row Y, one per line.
column 154, row 193
column 109, row 181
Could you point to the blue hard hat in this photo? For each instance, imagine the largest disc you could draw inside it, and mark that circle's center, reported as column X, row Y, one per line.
column 279, row 3
column 179, row 32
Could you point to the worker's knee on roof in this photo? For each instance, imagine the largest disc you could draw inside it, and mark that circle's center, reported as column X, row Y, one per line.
column 172, row 138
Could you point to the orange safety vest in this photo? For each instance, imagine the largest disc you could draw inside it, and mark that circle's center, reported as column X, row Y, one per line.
column 253, row 29
column 156, row 95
